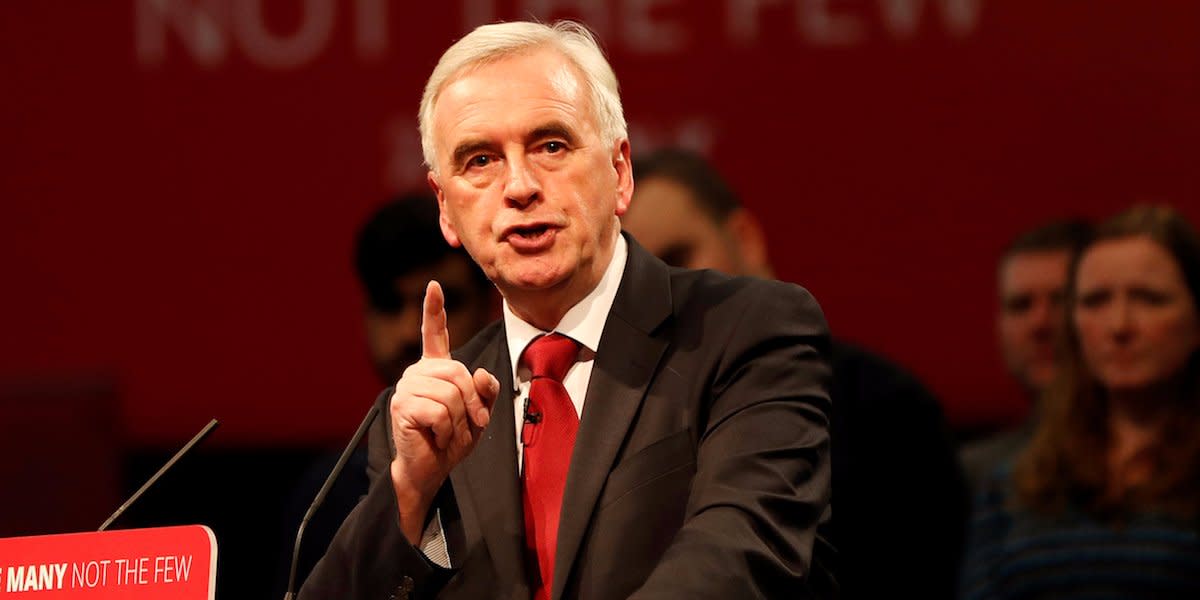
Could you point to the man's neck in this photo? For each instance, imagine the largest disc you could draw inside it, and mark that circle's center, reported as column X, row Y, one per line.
column 543, row 317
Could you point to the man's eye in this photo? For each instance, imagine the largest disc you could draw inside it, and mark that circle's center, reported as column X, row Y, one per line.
column 1093, row 299
column 480, row 160
column 554, row 147
column 1018, row 304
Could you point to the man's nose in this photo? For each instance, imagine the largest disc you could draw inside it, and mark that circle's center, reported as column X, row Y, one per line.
column 1044, row 320
column 521, row 186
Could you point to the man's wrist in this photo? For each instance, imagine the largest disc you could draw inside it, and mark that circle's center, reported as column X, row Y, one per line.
column 412, row 503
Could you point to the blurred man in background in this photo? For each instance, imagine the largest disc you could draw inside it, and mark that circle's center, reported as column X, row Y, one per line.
column 397, row 251
column 898, row 497
column 1032, row 280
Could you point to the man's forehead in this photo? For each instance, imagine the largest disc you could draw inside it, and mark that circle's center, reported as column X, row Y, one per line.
column 544, row 81
column 1038, row 259
column 664, row 206
column 541, row 71
column 1036, row 266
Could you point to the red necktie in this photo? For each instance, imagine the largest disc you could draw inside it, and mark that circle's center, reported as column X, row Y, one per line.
column 548, row 436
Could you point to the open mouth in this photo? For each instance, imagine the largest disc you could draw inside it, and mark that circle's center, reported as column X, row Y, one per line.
column 530, row 232
column 531, row 237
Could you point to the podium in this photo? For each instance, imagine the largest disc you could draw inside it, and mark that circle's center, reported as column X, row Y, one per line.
column 130, row 564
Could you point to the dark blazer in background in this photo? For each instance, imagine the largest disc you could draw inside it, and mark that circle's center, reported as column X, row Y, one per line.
column 900, row 502
column 701, row 465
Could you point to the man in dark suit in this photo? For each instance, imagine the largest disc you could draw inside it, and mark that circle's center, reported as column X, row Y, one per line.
column 685, row 412
column 888, row 430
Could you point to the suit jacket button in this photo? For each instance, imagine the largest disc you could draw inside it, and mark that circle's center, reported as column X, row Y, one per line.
column 403, row 590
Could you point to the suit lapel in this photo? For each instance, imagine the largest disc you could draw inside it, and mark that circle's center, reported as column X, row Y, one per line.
column 625, row 363
column 490, row 473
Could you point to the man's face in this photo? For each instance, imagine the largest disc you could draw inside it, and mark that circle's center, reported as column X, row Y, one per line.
column 1032, row 285
column 668, row 223
column 523, row 179
column 394, row 338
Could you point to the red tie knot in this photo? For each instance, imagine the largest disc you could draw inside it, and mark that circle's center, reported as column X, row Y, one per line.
column 550, row 356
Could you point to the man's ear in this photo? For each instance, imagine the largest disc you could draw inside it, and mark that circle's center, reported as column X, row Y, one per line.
column 747, row 234
column 624, row 169
column 443, row 221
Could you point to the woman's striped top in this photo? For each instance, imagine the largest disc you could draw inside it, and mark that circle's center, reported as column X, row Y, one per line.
column 1018, row 554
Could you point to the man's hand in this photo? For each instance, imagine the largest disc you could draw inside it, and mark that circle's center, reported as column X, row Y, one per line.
column 438, row 412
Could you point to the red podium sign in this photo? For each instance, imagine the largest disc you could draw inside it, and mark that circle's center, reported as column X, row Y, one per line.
column 131, row 564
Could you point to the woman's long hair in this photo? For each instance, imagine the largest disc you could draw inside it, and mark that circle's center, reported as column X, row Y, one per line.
column 1066, row 462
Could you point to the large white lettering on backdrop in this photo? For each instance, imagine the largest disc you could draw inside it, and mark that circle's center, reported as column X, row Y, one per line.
column 831, row 23
column 208, row 32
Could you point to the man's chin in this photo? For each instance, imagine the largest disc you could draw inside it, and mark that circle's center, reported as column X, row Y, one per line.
column 536, row 280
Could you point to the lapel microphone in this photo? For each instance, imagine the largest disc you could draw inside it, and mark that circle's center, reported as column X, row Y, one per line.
column 316, row 503
column 533, row 418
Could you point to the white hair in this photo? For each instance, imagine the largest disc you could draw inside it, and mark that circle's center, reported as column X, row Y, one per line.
column 488, row 43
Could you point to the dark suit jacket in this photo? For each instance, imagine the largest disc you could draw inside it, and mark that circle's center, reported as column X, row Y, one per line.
column 900, row 504
column 701, row 465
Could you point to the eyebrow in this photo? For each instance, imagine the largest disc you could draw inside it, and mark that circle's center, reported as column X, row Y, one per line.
column 466, row 149
column 552, row 129
column 470, row 146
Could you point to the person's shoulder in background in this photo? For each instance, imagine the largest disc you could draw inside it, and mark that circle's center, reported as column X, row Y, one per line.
column 900, row 501
column 983, row 457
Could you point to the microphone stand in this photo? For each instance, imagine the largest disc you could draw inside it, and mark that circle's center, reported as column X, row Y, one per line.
column 170, row 463
column 333, row 475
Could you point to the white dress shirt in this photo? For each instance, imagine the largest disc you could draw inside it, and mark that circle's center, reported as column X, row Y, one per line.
column 583, row 323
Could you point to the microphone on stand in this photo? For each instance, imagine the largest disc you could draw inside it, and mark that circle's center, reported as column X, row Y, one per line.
column 324, row 491
column 170, row 463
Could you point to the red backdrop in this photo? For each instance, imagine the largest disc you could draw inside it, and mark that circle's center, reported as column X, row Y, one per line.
column 182, row 179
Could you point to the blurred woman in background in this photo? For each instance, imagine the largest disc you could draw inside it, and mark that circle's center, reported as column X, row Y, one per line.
column 1105, row 502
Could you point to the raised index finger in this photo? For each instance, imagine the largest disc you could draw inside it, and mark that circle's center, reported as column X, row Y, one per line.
column 435, row 338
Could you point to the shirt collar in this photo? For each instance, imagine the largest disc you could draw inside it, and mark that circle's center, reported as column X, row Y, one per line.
column 583, row 323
